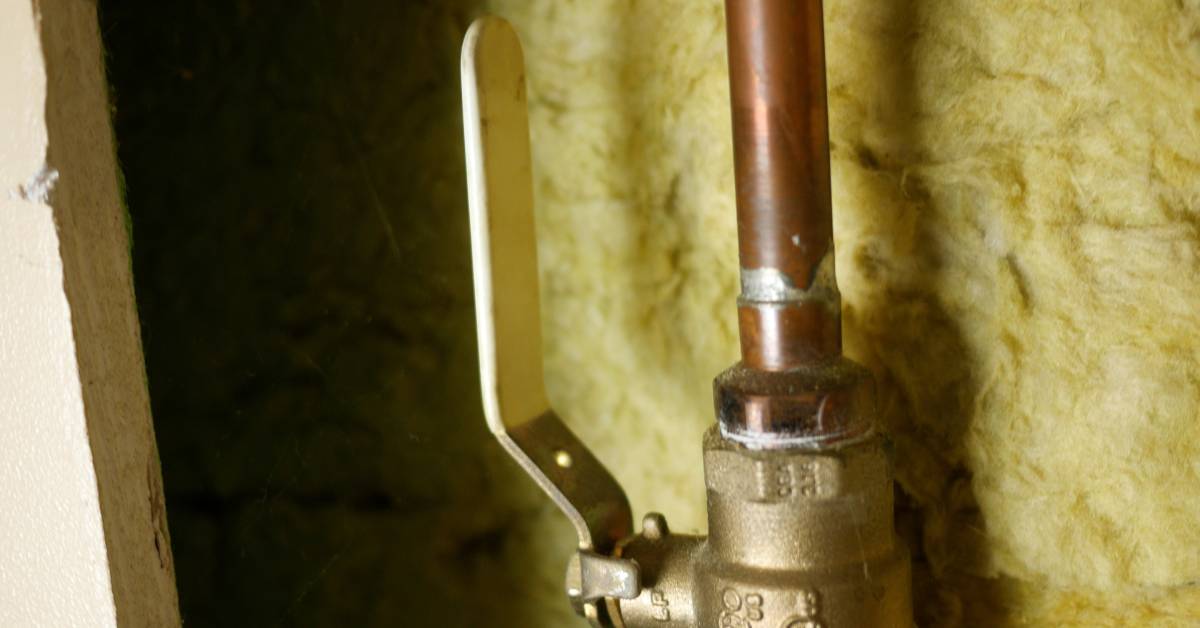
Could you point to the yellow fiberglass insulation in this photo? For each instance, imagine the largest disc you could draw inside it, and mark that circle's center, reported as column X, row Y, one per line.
column 1017, row 214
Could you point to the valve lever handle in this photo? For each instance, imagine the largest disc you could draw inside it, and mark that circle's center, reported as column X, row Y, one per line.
column 508, row 321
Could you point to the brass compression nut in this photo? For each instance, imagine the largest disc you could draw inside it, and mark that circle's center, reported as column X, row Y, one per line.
column 817, row 405
column 797, row 539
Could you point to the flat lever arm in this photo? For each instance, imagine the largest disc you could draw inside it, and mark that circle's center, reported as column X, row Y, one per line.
column 508, row 321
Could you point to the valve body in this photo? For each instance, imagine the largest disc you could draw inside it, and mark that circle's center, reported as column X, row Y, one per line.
column 797, row 539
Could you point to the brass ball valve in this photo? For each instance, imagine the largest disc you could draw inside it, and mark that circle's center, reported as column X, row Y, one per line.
column 800, row 513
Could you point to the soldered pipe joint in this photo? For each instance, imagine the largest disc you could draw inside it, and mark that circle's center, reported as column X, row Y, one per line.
column 781, row 167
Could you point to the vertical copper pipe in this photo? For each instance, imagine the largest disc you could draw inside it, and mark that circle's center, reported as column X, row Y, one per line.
column 788, row 311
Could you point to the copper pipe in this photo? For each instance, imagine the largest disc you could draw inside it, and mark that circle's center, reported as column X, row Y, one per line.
column 788, row 311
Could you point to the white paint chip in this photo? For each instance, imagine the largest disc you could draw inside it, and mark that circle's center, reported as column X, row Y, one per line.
column 39, row 186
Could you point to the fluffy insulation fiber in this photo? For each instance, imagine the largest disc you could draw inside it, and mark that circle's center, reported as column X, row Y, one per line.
column 1017, row 199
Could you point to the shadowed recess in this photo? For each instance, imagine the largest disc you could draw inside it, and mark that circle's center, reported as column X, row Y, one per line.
column 295, row 184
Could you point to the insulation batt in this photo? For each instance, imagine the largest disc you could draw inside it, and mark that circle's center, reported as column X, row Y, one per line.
column 1017, row 211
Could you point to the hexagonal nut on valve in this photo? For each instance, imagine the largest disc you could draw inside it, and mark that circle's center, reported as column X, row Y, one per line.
column 805, row 407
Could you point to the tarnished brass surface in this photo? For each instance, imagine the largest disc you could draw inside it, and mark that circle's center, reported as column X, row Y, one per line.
column 797, row 539
column 815, row 405
column 668, row 589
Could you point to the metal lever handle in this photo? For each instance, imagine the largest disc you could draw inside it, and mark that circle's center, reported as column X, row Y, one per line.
column 508, row 321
